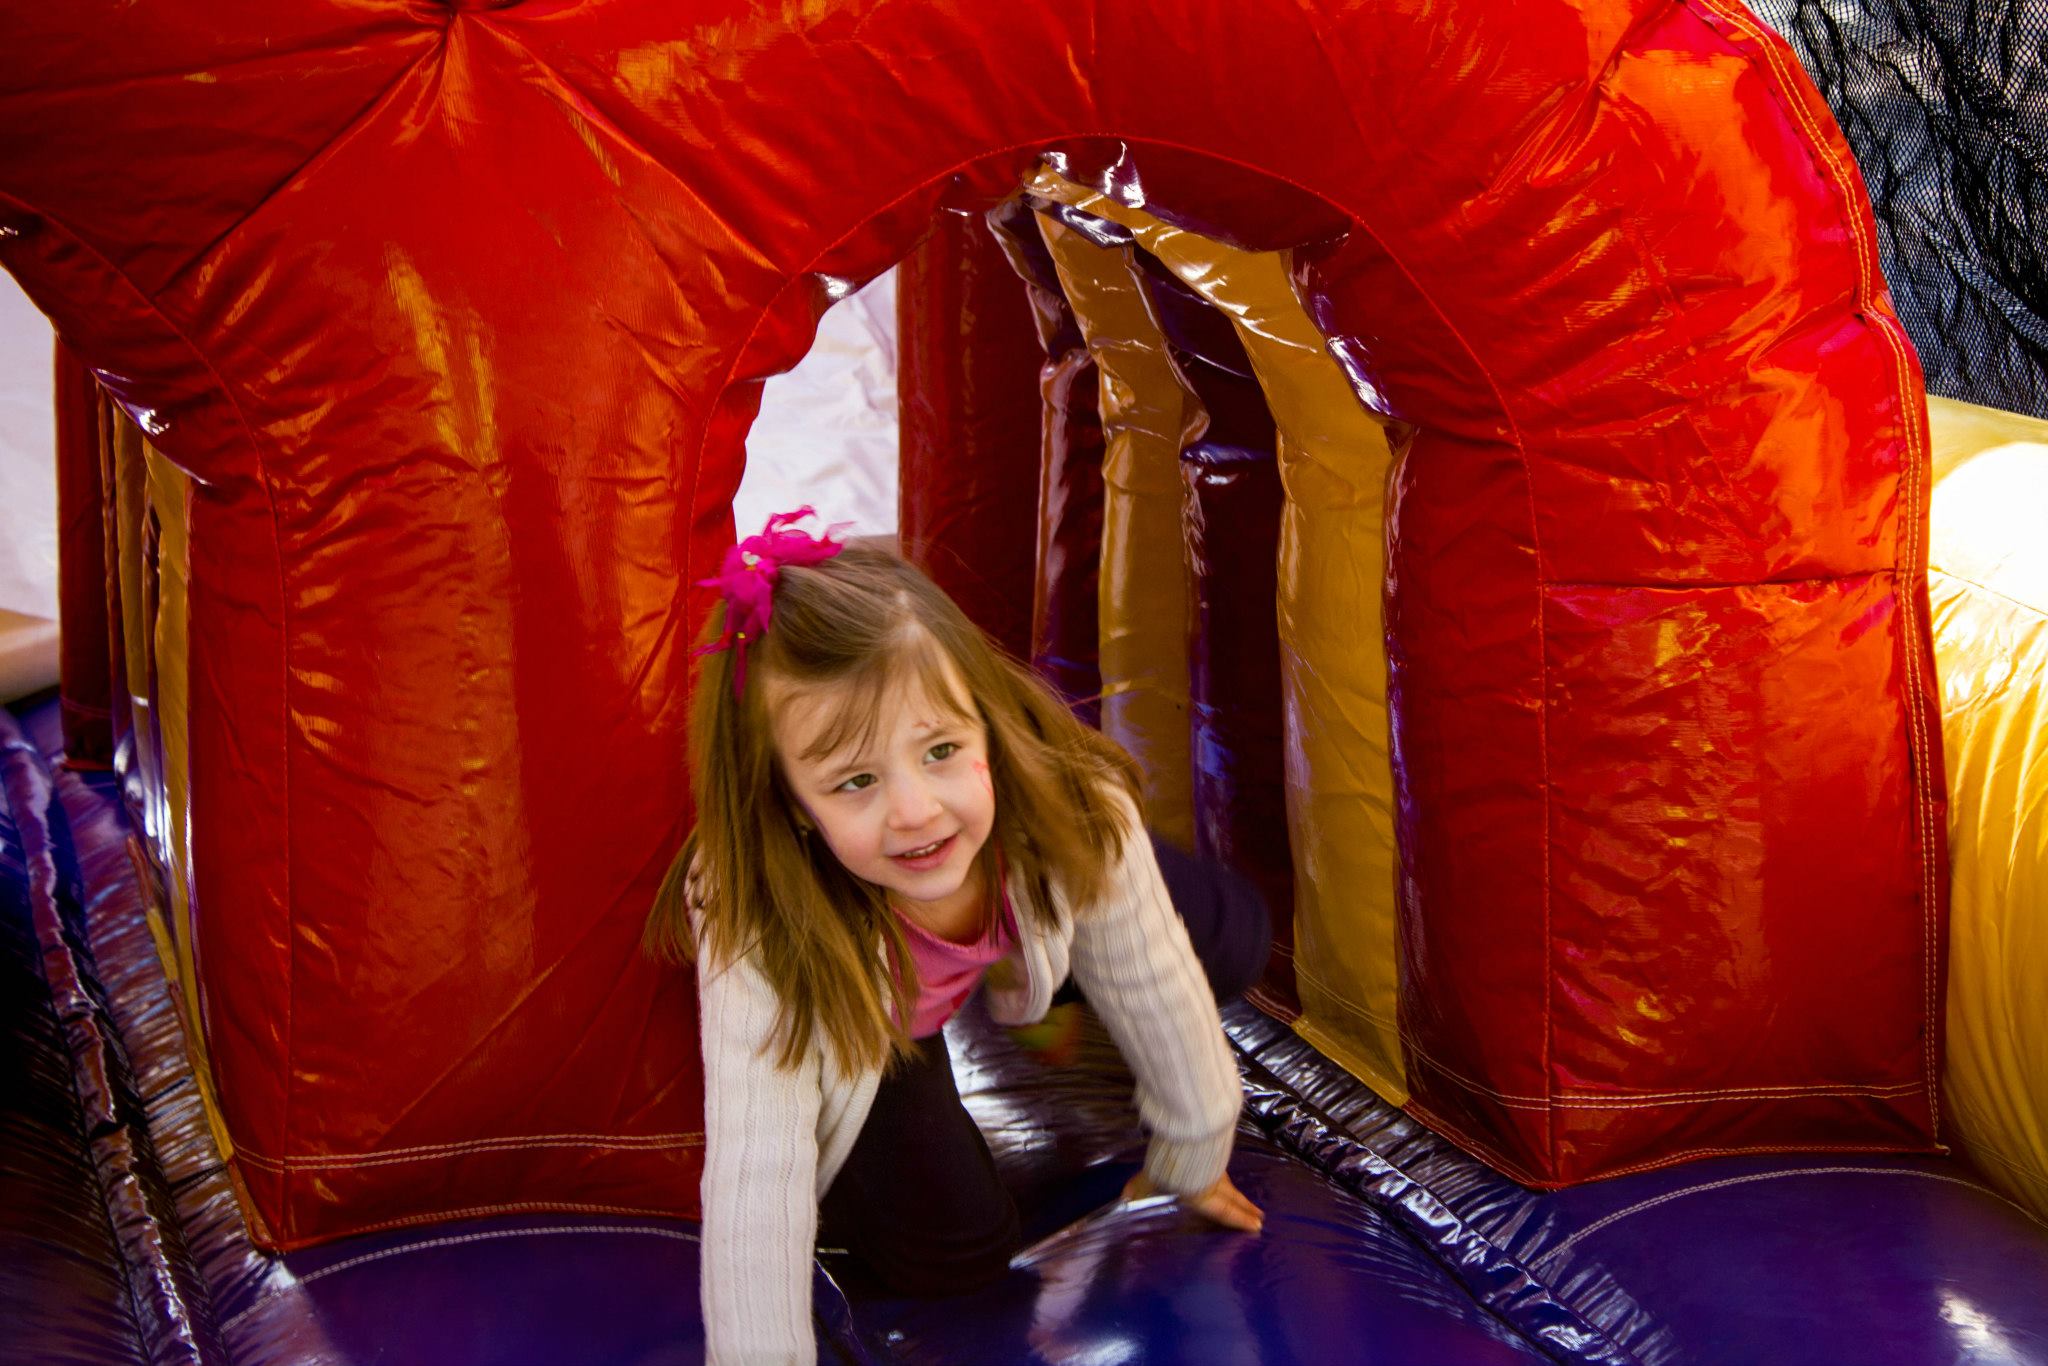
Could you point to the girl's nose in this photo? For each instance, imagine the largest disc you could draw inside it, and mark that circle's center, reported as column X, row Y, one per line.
column 912, row 804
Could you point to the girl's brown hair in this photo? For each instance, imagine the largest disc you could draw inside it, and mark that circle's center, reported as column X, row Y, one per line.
column 767, row 889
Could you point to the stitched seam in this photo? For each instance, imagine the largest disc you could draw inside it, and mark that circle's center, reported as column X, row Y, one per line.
column 1521, row 449
column 1674, row 1159
column 430, row 1152
column 325, row 152
column 1462, row 1137
column 1809, row 1089
column 1725, row 1097
column 1508, row 1099
column 1339, row 998
column 1625, row 1099
column 284, row 628
column 432, row 1243
column 1908, row 549
column 1408, row 1042
column 1641, row 1205
column 2030, row 608
column 1708, row 585
column 1646, row 1099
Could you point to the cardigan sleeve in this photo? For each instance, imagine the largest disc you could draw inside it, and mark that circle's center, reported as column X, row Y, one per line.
column 760, row 1166
column 1133, row 961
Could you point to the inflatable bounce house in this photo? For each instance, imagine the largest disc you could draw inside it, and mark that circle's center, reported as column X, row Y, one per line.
column 1469, row 451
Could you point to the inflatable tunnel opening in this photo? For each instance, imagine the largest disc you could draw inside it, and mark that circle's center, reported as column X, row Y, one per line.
column 1612, row 800
column 1388, row 412
column 1052, row 360
column 1468, row 455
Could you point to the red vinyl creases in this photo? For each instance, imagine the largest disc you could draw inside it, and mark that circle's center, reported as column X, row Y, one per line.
column 967, row 413
column 458, row 316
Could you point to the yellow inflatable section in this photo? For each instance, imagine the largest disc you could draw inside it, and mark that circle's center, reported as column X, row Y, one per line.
column 1988, row 586
column 149, row 539
column 1335, row 465
column 1988, row 589
column 1148, row 414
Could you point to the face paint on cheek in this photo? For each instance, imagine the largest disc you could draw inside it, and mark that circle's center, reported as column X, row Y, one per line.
column 988, row 784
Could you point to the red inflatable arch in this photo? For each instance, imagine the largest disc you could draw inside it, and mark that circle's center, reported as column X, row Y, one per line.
column 457, row 314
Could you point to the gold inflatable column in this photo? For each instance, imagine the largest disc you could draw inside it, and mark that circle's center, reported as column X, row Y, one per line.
column 1148, row 414
column 151, row 501
column 1988, row 586
column 1335, row 463
column 129, row 491
column 169, row 492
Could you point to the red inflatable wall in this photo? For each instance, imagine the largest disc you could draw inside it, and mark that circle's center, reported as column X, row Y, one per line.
column 1065, row 621
column 1240, row 781
column 458, row 314
column 87, row 667
column 967, row 411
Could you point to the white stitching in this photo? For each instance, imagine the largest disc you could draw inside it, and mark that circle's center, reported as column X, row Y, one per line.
column 1629, row 1102
column 1643, row 1100
column 1829, row 1088
column 510, row 1143
column 1914, row 632
column 1702, row 1188
column 312, row 1276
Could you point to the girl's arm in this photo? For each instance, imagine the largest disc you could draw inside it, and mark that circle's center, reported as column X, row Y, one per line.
column 1132, row 960
column 760, row 1176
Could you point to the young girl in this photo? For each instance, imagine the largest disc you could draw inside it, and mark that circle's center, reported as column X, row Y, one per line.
column 888, row 809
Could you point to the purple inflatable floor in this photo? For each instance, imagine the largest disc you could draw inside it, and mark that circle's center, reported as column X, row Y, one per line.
column 120, row 1241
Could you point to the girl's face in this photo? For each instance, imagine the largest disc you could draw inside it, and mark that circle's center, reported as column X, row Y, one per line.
column 911, row 808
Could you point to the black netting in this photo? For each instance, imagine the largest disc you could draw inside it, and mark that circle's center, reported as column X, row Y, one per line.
column 1945, row 103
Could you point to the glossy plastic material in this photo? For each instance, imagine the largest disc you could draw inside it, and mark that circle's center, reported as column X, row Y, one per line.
column 1211, row 359
column 166, row 612
column 62, row 1292
column 87, row 672
column 1335, row 459
column 457, row 315
column 1332, row 1278
column 1787, row 1259
column 1064, row 614
column 125, row 482
column 1989, row 585
column 1148, row 414
column 968, row 414
column 1230, row 530
column 1332, row 1274
column 1232, row 516
column 96, row 1266
column 1384, row 1242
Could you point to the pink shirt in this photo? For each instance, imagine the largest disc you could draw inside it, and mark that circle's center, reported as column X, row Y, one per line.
column 948, row 973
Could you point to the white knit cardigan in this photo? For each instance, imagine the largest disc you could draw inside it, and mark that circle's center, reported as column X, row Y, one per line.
column 775, row 1138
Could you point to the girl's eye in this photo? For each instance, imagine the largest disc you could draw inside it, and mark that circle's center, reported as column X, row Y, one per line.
column 859, row 782
column 945, row 749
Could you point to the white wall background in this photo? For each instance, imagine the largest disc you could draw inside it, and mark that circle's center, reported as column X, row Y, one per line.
column 28, row 467
column 827, row 431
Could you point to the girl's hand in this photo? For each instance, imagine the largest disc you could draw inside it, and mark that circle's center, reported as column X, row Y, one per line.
column 1223, row 1203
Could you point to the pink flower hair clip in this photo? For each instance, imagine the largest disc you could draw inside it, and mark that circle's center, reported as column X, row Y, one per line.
column 747, row 576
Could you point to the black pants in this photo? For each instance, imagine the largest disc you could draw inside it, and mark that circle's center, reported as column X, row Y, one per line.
column 919, row 1203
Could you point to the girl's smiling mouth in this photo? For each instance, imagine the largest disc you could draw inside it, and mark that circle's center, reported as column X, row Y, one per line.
column 927, row 856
